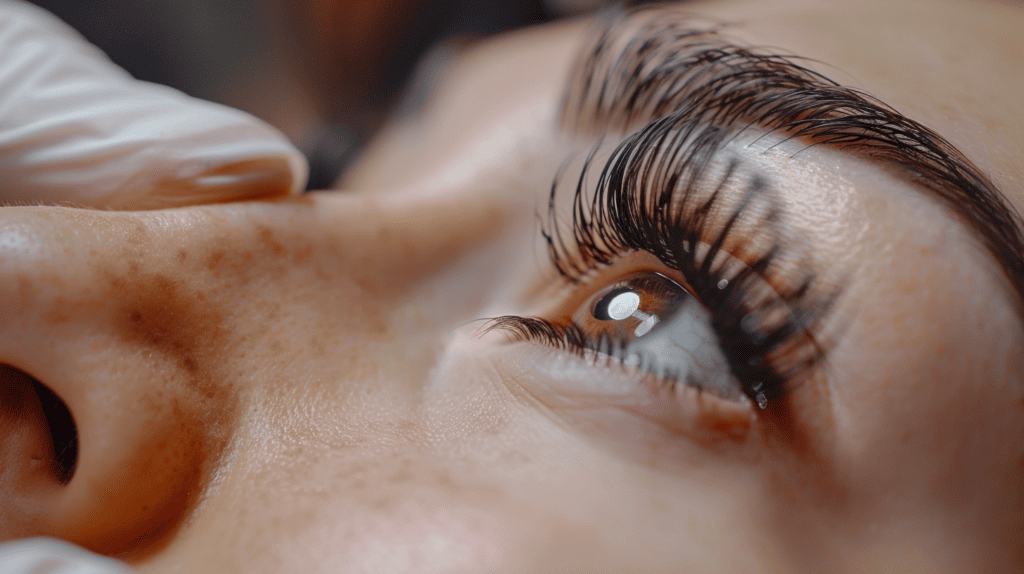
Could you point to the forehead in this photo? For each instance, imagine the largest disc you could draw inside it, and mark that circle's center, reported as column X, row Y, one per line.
column 964, row 85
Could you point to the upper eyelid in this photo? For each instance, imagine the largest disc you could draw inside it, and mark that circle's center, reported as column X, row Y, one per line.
column 620, row 81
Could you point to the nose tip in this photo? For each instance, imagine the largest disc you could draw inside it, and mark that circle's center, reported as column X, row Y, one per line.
column 125, row 343
column 158, row 329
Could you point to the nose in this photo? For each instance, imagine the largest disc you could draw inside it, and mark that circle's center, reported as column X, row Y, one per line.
column 131, row 345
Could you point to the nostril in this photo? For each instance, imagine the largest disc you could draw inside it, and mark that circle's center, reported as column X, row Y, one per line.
column 62, row 430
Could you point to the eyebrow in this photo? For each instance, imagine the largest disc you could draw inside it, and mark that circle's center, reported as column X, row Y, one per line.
column 647, row 63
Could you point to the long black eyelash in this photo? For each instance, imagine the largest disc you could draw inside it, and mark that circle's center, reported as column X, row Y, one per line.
column 649, row 62
column 646, row 199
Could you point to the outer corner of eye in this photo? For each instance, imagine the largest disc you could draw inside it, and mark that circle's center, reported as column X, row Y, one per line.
column 702, row 416
column 714, row 420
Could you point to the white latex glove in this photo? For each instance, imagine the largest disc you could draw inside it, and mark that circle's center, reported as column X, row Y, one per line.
column 77, row 130
column 52, row 556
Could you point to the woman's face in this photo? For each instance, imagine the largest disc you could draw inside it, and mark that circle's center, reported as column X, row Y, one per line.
column 312, row 385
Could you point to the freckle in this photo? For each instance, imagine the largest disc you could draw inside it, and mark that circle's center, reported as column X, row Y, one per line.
column 118, row 284
column 364, row 284
column 303, row 254
column 182, row 255
column 267, row 236
column 165, row 286
column 138, row 234
column 189, row 364
column 215, row 259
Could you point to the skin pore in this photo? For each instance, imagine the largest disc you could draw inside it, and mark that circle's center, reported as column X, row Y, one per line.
column 304, row 386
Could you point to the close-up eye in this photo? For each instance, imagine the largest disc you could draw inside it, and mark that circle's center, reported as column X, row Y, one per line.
column 649, row 321
column 737, row 339
column 743, row 320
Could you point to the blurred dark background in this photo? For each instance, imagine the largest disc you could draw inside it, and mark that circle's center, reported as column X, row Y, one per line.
column 325, row 72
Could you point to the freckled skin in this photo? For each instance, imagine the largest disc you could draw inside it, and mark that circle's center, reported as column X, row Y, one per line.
column 299, row 386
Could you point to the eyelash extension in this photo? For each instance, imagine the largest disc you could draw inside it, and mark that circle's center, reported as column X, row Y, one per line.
column 692, row 84
column 644, row 63
column 646, row 199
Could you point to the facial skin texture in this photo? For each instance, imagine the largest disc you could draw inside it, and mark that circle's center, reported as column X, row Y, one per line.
column 302, row 386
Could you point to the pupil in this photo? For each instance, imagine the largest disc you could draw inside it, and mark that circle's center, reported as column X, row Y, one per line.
column 617, row 305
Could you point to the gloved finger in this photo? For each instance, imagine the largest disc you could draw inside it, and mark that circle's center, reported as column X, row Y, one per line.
column 37, row 555
column 76, row 129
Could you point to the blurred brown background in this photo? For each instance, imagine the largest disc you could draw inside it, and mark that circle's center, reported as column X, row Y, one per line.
column 326, row 72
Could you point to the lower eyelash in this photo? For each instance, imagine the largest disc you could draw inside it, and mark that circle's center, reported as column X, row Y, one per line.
column 571, row 338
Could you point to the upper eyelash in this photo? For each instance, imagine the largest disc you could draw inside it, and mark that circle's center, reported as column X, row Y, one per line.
column 644, row 63
column 645, row 199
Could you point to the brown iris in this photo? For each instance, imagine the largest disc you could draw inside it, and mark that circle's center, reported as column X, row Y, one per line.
column 632, row 307
column 649, row 321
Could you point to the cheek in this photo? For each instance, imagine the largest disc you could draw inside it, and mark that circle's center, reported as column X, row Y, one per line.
column 596, row 494
column 330, row 474
column 925, row 406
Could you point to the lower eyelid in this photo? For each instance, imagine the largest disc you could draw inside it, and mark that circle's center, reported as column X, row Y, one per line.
column 589, row 390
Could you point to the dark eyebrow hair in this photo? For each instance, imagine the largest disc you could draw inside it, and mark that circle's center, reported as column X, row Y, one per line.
column 646, row 63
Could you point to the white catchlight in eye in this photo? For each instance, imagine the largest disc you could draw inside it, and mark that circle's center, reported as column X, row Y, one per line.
column 623, row 305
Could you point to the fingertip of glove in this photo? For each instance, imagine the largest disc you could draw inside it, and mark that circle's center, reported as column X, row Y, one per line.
column 236, row 157
column 82, row 132
column 53, row 556
column 298, row 168
column 249, row 179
